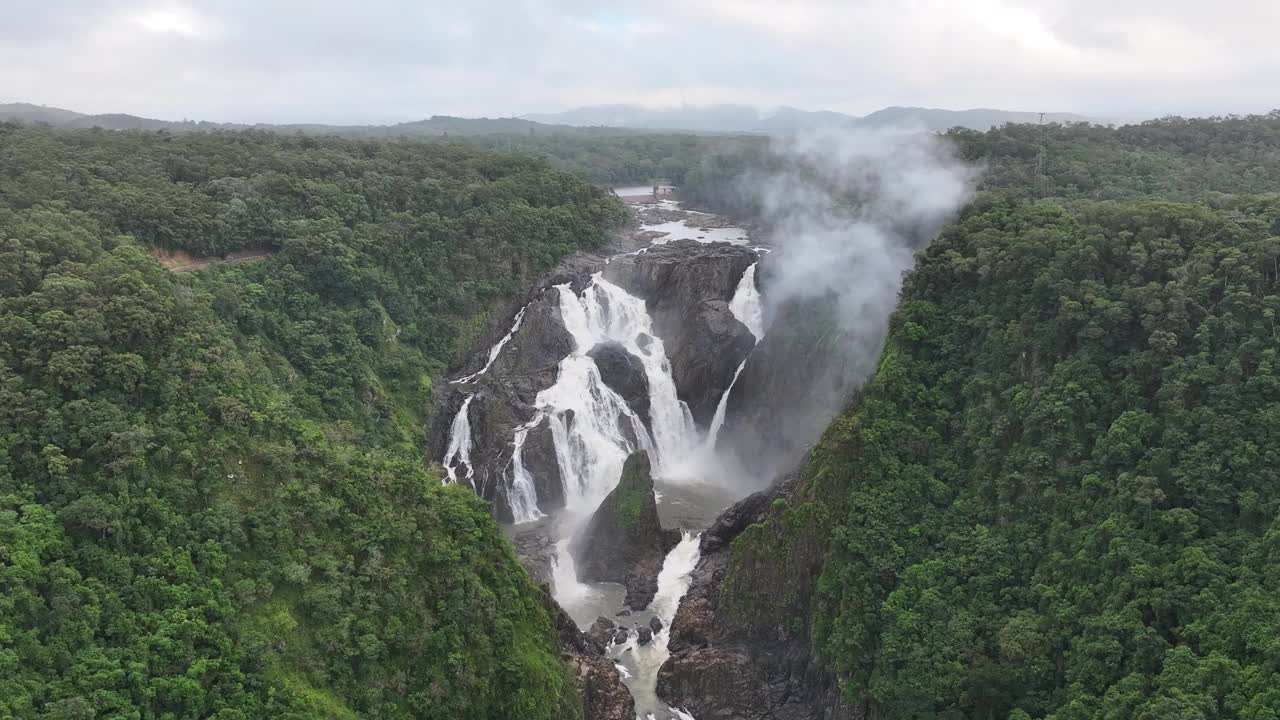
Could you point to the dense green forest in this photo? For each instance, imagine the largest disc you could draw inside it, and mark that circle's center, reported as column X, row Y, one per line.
column 213, row 496
column 1059, row 495
column 1170, row 158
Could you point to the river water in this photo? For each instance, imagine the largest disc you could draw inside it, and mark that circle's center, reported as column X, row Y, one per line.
column 686, row 498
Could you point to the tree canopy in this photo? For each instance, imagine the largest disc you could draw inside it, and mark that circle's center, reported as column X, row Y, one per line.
column 1057, row 497
column 213, row 495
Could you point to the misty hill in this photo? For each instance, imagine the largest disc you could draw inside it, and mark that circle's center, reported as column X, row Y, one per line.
column 976, row 119
column 741, row 118
column 27, row 113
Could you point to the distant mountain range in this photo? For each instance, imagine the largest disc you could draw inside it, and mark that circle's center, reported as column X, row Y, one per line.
column 742, row 118
column 435, row 125
column 599, row 119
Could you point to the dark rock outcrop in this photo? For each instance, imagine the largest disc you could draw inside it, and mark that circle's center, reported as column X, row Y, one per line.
column 539, row 458
column 623, row 373
column 503, row 400
column 604, row 696
column 731, row 665
column 536, row 552
column 686, row 286
column 624, row 542
column 602, row 631
column 644, row 635
column 706, row 357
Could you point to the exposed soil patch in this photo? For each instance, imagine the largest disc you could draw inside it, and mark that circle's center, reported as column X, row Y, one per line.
column 183, row 261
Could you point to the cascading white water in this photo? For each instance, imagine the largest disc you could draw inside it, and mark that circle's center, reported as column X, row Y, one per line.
column 459, row 451
column 745, row 304
column 717, row 420
column 611, row 314
column 643, row 661
column 523, row 496
column 592, row 448
column 496, row 349
column 746, row 307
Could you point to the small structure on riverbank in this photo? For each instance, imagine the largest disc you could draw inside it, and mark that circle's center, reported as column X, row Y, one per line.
column 638, row 194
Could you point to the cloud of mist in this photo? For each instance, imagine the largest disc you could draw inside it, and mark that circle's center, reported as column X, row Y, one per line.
column 848, row 213
column 851, row 209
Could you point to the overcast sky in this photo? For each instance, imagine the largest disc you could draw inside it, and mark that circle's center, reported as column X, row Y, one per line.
column 393, row 60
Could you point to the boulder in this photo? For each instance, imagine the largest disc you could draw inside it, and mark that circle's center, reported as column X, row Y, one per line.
column 655, row 624
column 644, row 635
column 602, row 630
column 536, row 552
column 624, row 542
column 623, row 373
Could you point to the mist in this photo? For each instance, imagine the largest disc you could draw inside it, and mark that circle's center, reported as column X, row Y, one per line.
column 848, row 213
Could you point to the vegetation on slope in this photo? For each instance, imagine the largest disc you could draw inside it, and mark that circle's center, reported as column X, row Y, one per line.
column 213, row 498
column 1058, row 496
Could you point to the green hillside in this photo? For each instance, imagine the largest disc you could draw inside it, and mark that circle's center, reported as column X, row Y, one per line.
column 213, row 496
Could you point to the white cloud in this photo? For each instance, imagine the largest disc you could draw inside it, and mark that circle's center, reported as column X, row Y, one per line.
column 324, row 60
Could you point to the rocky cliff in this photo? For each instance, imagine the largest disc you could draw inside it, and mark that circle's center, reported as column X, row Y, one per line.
column 604, row 696
column 624, row 542
column 503, row 400
column 687, row 286
column 739, row 643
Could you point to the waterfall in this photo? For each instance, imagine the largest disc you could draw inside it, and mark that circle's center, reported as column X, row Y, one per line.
column 459, row 444
column 589, row 421
column 746, row 307
column 523, row 496
column 569, row 591
column 609, row 313
column 745, row 304
column 673, row 582
column 717, row 420
column 497, row 348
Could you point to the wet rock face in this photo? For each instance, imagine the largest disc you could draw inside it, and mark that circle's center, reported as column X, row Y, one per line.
column 536, row 552
column 624, row 374
column 807, row 368
column 704, row 361
column 602, row 630
column 540, row 459
column 717, row 671
column 503, row 400
column 686, row 286
column 624, row 541
column 604, row 696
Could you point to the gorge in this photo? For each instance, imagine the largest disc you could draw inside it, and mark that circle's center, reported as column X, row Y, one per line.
column 651, row 338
